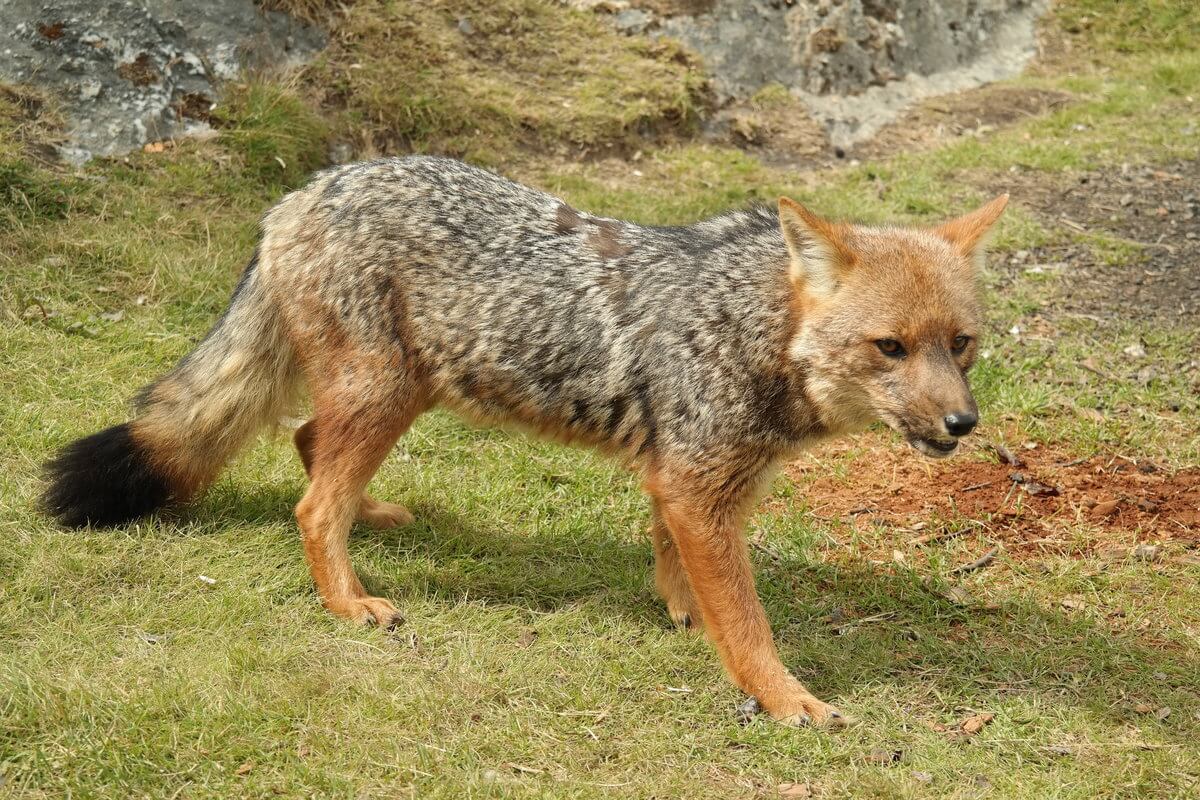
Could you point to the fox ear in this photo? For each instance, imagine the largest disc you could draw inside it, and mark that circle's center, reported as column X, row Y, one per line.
column 967, row 233
column 820, row 256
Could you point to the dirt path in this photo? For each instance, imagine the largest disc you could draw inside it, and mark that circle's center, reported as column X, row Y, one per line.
column 1156, row 211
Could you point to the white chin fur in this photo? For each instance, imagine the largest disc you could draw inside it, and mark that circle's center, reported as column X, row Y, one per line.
column 925, row 448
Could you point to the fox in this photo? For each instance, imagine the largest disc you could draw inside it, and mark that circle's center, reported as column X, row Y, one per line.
column 701, row 356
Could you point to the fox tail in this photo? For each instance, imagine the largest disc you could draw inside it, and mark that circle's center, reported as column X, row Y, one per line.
column 188, row 424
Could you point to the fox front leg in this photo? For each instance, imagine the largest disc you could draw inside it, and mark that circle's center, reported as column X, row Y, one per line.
column 705, row 526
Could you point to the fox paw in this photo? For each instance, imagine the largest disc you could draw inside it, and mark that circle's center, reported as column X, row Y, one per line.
column 380, row 515
column 684, row 614
column 368, row 611
column 804, row 710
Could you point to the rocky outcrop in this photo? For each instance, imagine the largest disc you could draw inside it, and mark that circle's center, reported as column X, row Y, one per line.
column 856, row 64
column 128, row 73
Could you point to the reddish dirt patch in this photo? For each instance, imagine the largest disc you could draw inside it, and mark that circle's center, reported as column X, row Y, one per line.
column 1044, row 502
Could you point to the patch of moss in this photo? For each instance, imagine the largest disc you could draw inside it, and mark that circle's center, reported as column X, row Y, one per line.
column 484, row 79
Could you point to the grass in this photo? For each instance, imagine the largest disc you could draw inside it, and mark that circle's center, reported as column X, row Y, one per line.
column 488, row 80
column 536, row 659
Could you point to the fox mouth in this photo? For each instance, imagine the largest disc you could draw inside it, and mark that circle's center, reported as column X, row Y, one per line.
column 934, row 448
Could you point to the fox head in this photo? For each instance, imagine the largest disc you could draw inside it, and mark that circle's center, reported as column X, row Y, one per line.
column 889, row 321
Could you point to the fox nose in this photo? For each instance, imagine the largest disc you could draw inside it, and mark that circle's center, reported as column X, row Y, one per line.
column 960, row 423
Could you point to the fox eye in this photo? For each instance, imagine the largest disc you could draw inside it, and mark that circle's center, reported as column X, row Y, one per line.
column 960, row 343
column 890, row 348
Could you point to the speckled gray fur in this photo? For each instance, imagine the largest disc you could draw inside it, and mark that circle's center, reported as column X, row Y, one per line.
column 516, row 307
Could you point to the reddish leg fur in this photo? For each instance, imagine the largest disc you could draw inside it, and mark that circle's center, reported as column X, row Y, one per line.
column 371, row 512
column 706, row 527
column 342, row 447
column 670, row 578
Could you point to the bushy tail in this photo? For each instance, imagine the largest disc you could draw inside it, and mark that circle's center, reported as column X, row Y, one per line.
column 189, row 423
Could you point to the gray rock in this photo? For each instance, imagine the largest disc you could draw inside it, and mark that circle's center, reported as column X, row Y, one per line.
column 633, row 20
column 858, row 64
column 128, row 73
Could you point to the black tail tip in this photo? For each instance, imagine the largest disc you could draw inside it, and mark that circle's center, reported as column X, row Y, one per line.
column 104, row 479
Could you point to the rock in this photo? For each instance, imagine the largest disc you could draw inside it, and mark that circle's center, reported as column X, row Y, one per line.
column 747, row 710
column 137, row 72
column 1145, row 552
column 340, row 152
column 633, row 20
column 858, row 64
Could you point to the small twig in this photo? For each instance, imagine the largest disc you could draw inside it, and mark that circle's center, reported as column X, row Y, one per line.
column 979, row 563
column 768, row 551
column 938, row 536
column 1096, row 371
column 975, row 486
column 1073, row 462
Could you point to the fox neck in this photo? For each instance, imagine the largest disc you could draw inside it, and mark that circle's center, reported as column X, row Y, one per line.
column 834, row 399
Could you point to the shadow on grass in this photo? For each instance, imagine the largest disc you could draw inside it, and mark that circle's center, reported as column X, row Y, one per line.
column 895, row 629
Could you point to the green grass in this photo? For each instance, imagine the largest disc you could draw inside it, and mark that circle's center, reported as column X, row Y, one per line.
column 1140, row 26
column 536, row 659
column 489, row 80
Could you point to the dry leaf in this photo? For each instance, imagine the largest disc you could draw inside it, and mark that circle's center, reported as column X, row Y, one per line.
column 245, row 768
column 974, row 724
column 959, row 596
column 1105, row 508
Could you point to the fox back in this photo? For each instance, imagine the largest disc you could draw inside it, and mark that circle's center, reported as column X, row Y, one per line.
column 726, row 344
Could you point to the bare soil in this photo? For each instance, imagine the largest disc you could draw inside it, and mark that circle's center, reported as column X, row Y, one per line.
column 970, row 113
column 1040, row 503
column 1156, row 210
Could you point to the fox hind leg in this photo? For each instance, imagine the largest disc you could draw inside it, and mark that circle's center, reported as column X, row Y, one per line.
column 354, row 433
column 371, row 512
column 670, row 578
